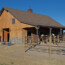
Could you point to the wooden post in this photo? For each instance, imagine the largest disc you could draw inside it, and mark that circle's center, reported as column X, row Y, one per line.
column 38, row 40
column 54, row 38
column 37, row 34
column 58, row 39
column 24, row 34
column 50, row 42
column 61, row 33
column 32, row 40
column 37, row 28
column 24, row 43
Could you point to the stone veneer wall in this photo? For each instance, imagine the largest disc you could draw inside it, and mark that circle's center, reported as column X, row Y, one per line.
column 16, row 40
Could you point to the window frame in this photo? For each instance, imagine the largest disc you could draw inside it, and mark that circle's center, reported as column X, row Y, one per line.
column 13, row 21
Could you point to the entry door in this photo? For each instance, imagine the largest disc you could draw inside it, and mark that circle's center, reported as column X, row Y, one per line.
column 6, row 35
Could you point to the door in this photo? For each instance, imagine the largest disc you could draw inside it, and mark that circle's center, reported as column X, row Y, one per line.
column 6, row 35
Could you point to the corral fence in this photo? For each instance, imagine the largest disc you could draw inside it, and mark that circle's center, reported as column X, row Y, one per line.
column 30, row 41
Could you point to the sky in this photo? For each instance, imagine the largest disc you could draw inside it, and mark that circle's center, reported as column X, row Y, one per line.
column 53, row 8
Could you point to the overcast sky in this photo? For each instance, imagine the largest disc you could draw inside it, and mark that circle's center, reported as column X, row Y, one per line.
column 53, row 8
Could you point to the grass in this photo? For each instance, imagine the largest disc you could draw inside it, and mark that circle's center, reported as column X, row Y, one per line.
column 3, row 64
column 11, row 63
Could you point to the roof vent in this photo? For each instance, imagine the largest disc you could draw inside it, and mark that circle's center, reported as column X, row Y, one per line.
column 30, row 10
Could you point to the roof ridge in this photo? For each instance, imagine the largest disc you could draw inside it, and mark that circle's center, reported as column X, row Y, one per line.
column 25, row 11
column 12, row 8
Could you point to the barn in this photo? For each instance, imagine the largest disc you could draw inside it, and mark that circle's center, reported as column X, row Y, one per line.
column 16, row 24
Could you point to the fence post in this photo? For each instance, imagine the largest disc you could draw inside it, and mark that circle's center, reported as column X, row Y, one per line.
column 32, row 40
column 37, row 30
column 58, row 38
column 50, row 42
column 24, row 43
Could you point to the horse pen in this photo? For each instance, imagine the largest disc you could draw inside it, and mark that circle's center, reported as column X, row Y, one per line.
column 50, row 44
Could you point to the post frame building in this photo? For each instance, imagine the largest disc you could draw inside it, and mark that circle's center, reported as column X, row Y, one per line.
column 14, row 24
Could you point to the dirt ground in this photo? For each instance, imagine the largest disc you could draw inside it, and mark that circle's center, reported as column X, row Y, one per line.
column 15, row 55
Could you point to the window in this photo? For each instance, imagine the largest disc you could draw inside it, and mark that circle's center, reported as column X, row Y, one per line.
column 13, row 21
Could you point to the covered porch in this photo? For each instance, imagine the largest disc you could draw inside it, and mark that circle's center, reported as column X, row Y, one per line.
column 43, row 35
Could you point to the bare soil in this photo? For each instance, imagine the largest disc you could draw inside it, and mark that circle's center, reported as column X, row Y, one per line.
column 39, row 55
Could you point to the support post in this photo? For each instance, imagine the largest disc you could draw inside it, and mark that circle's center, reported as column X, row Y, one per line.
column 37, row 34
column 50, row 42
column 54, row 38
column 61, row 34
column 37, row 30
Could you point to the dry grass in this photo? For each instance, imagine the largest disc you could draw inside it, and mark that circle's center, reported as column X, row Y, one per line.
column 14, row 55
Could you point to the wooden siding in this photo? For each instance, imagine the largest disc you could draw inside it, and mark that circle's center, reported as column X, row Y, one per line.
column 15, row 29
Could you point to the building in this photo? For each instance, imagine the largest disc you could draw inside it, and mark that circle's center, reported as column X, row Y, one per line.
column 14, row 24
